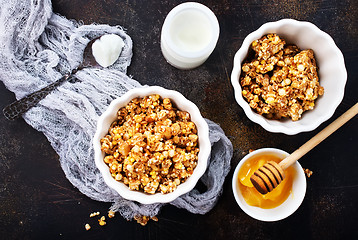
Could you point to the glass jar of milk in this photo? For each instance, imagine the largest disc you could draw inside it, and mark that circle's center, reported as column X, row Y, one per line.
column 189, row 35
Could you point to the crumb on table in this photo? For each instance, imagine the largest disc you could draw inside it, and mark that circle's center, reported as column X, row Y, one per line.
column 307, row 172
column 143, row 220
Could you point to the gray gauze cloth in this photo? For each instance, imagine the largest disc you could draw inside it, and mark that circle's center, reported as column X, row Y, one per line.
column 37, row 47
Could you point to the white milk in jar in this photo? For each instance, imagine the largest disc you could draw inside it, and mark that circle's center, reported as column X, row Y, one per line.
column 189, row 35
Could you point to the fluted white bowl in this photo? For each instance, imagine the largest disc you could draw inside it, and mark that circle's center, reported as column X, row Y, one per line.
column 331, row 70
column 106, row 119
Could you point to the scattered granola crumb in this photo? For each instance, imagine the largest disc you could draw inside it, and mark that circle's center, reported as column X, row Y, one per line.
column 308, row 172
column 94, row 214
column 143, row 220
column 101, row 221
column 111, row 214
column 87, row 227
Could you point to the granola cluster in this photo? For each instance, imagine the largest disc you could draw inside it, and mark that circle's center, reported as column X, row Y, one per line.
column 152, row 146
column 143, row 220
column 279, row 80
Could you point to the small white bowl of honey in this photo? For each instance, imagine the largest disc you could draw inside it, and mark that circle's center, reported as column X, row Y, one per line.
column 276, row 205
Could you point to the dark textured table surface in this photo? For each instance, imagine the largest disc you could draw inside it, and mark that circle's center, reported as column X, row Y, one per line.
column 38, row 202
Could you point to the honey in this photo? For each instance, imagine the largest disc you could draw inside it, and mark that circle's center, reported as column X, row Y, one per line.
column 272, row 199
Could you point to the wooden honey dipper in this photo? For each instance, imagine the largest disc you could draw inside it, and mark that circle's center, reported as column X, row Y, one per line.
column 271, row 174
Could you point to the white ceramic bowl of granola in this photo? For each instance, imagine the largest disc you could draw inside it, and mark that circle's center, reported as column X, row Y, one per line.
column 331, row 71
column 282, row 211
column 106, row 119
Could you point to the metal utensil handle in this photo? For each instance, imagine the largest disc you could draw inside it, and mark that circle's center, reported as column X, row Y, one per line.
column 19, row 107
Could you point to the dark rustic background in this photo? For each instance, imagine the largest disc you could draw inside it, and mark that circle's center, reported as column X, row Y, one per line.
column 38, row 202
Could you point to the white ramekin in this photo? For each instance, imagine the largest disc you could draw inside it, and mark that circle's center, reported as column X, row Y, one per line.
column 181, row 103
column 331, row 71
column 282, row 211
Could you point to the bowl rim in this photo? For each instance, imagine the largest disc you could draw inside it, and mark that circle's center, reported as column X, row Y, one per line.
column 261, row 214
column 236, row 71
column 182, row 103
